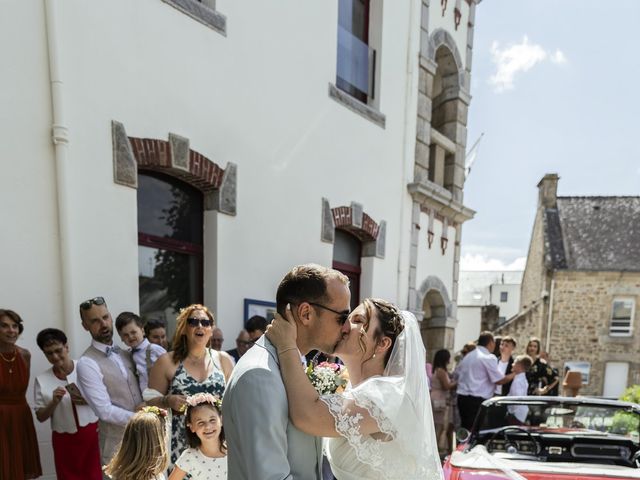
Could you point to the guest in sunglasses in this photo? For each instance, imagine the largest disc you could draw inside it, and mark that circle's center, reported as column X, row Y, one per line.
column 243, row 343
column 190, row 368
column 107, row 377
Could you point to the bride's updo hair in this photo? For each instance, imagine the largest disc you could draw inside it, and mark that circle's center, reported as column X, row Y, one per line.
column 390, row 319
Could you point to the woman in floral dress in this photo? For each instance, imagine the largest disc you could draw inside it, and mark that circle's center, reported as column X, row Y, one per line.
column 190, row 368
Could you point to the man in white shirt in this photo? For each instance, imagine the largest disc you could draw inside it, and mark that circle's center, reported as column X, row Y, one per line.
column 519, row 387
column 478, row 376
column 106, row 376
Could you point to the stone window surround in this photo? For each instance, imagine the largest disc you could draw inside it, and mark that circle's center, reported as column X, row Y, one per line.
column 355, row 105
column 620, row 336
column 175, row 158
column 371, row 234
column 203, row 12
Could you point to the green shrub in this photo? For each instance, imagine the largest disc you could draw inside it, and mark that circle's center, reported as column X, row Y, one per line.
column 631, row 394
column 627, row 423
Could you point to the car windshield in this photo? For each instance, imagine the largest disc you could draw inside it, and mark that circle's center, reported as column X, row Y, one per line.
column 562, row 417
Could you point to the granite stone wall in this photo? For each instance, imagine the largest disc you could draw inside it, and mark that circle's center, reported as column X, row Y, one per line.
column 582, row 307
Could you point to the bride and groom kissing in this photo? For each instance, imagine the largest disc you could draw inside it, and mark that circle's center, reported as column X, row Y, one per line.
column 381, row 427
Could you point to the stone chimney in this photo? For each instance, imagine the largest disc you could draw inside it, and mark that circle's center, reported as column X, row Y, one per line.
column 489, row 315
column 548, row 191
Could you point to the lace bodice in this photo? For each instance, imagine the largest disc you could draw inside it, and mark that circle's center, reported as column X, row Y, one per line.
column 403, row 445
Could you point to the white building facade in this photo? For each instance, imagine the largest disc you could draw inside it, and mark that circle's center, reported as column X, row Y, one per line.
column 164, row 152
column 481, row 288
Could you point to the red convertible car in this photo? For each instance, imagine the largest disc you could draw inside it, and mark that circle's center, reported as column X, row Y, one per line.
column 550, row 438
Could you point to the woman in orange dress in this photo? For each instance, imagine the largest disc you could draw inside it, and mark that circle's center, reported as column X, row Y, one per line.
column 19, row 455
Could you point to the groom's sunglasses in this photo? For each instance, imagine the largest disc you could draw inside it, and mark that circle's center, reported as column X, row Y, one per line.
column 342, row 316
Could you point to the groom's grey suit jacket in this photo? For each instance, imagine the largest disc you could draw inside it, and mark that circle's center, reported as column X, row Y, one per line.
column 262, row 443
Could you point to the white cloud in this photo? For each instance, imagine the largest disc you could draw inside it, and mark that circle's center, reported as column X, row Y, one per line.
column 479, row 262
column 518, row 58
column 558, row 57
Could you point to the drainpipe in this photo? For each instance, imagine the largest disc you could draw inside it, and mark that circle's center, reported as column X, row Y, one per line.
column 408, row 148
column 550, row 317
column 60, row 138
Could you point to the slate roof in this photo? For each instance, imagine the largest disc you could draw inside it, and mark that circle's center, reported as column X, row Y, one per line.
column 593, row 233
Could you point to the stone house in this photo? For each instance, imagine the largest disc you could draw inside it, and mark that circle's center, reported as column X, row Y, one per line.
column 581, row 287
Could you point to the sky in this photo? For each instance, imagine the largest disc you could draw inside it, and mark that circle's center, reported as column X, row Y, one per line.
column 555, row 89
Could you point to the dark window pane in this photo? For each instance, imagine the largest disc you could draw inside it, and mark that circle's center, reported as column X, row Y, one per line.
column 170, row 226
column 353, row 16
column 346, row 249
column 169, row 208
column 167, row 281
column 346, row 259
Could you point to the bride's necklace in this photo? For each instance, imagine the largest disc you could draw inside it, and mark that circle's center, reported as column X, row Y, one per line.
column 10, row 360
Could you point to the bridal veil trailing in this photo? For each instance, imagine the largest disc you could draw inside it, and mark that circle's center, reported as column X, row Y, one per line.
column 399, row 401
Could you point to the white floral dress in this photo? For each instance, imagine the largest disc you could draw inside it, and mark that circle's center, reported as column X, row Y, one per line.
column 185, row 384
column 199, row 466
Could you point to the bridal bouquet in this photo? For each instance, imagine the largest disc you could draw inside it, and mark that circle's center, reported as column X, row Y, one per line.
column 327, row 377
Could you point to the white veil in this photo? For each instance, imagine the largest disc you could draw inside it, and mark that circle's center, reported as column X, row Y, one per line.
column 400, row 403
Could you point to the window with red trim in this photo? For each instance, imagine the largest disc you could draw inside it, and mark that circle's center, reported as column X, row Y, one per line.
column 347, row 252
column 170, row 244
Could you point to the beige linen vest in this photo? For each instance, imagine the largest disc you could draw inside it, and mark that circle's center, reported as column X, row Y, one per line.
column 124, row 393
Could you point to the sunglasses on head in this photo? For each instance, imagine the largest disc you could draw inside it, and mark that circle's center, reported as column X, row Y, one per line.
column 204, row 322
column 86, row 305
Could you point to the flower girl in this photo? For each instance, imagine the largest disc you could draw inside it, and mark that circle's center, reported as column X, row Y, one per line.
column 206, row 459
column 142, row 454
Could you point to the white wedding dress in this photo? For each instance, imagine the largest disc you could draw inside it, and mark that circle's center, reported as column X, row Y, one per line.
column 405, row 448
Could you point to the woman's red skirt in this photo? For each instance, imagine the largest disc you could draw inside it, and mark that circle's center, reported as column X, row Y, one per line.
column 77, row 455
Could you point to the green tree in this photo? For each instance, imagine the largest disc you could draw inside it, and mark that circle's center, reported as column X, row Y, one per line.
column 627, row 423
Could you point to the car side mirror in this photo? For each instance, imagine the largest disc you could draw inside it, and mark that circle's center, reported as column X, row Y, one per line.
column 462, row 435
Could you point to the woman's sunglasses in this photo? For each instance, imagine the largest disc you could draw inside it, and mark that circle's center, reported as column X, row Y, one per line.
column 203, row 322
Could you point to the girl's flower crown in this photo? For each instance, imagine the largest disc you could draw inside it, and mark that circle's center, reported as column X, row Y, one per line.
column 200, row 398
column 160, row 412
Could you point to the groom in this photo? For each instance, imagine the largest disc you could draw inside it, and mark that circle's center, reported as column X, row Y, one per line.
column 263, row 444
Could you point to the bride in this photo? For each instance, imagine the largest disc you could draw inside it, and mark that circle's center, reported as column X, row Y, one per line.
column 381, row 427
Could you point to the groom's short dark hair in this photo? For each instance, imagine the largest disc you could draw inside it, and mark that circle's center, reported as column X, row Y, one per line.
column 306, row 283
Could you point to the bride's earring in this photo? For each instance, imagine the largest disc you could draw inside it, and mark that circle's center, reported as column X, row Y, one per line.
column 374, row 355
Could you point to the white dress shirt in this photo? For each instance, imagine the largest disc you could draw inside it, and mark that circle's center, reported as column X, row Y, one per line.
column 62, row 420
column 478, row 373
column 140, row 359
column 519, row 388
column 502, row 366
column 90, row 381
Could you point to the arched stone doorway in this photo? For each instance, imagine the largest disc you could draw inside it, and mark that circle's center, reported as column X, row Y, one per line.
column 435, row 312
column 437, row 327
